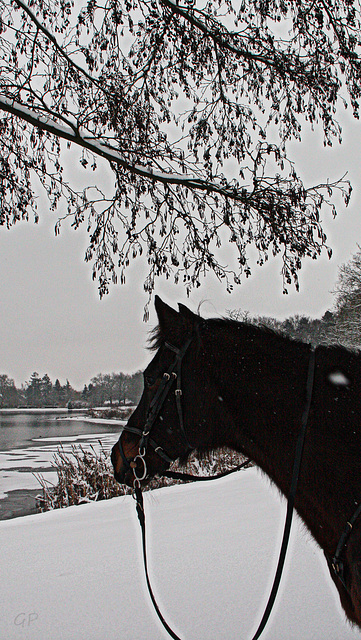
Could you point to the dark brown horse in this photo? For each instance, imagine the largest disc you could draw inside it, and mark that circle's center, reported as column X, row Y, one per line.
column 244, row 387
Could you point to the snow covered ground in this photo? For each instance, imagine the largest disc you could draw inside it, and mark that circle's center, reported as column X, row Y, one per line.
column 77, row 573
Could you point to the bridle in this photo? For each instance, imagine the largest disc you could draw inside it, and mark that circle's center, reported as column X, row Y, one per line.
column 171, row 376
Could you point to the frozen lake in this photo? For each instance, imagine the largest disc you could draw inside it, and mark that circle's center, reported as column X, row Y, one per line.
column 28, row 441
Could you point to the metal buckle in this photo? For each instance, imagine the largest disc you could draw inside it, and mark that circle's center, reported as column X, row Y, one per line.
column 140, row 477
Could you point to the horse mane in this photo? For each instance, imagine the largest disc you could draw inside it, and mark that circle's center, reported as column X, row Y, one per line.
column 231, row 323
column 156, row 338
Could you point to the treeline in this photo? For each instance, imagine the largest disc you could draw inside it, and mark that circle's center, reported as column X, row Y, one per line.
column 311, row 330
column 120, row 389
column 103, row 390
column 340, row 326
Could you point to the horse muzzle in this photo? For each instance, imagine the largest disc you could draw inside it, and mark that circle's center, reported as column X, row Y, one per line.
column 128, row 470
column 121, row 465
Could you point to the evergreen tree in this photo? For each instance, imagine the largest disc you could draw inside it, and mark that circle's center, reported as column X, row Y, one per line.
column 8, row 392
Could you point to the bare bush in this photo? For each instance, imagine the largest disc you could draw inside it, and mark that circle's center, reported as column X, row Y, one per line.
column 87, row 476
column 83, row 476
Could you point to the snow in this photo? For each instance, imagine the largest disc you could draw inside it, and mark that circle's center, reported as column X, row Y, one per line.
column 34, row 117
column 90, row 420
column 77, row 573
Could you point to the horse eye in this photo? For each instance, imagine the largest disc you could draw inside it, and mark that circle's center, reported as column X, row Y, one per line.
column 149, row 381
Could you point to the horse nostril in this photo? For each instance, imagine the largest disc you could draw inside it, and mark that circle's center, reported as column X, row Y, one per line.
column 115, row 460
column 112, row 457
column 119, row 477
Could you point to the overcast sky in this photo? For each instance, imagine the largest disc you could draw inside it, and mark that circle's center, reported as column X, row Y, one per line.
column 52, row 320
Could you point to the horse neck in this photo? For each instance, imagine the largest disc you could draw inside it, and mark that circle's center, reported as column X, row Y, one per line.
column 262, row 382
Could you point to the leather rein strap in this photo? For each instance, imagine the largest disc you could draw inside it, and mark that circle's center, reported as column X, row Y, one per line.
column 290, row 505
column 337, row 562
column 138, row 494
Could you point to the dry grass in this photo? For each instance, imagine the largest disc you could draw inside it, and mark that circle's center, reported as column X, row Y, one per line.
column 83, row 476
column 87, row 476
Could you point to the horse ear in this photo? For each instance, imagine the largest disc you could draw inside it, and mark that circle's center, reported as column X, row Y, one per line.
column 187, row 313
column 168, row 318
column 174, row 326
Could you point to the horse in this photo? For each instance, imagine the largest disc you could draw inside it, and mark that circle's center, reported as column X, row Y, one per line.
column 217, row 382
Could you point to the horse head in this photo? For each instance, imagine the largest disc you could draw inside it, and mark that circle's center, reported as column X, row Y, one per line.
column 173, row 416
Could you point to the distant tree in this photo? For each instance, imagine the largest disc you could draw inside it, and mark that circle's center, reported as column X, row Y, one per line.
column 114, row 388
column 347, row 326
column 91, row 395
column 69, row 393
column 135, row 387
column 192, row 106
column 58, row 393
column 46, row 390
column 102, row 389
column 130, row 387
column 122, row 386
column 33, row 390
column 239, row 315
column 328, row 327
column 40, row 392
column 8, row 392
column 22, row 394
column 311, row 330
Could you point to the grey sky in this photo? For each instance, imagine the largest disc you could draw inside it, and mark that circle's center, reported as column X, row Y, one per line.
column 53, row 322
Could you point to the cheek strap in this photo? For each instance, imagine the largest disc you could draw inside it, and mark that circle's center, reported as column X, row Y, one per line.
column 122, row 454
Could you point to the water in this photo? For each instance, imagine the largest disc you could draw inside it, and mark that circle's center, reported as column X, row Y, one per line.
column 28, row 442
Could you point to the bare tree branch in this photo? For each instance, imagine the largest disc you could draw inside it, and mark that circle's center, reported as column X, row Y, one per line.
column 192, row 108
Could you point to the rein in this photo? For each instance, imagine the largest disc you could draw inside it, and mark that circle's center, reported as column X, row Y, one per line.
column 337, row 562
column 153, row 413
column 138, row 495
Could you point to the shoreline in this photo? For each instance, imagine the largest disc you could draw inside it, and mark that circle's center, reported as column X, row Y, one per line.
column 39, row 410
column 89, row 420
column 19, row 464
